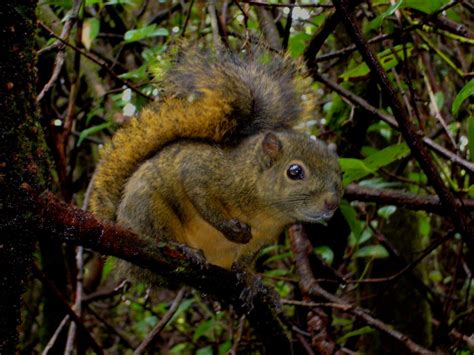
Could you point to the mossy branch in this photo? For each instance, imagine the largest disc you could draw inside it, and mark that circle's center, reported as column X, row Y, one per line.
column 62, row 222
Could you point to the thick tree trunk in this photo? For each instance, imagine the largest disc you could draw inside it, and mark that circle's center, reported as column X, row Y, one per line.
column 22, row 159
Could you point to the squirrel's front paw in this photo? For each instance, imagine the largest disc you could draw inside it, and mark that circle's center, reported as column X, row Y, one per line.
column 237, row 231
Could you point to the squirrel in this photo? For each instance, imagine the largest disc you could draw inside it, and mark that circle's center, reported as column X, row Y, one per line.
column 215, row 163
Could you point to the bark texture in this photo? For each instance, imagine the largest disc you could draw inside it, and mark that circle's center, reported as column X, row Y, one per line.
column 22, row 159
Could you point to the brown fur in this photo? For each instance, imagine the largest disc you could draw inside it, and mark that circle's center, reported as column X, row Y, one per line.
column 173, row 193
column 207, row 164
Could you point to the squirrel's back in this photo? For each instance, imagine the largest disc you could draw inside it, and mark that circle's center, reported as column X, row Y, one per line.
column 214, row 98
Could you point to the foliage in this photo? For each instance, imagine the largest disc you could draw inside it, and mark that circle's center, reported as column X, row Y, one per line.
column 115, row 49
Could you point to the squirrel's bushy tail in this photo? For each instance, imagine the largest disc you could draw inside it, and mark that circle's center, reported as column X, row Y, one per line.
column 219, row 99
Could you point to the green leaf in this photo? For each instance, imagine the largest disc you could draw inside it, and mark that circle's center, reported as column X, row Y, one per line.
column 119, row 2
column 207, row 350
column 93, row 2
column 424, row 225
column 92, row 130
column 470, row 136
column 179, row 348
column 277, row 272
column 439, row 99
column 377, row 22
column 353, row 169
column 109, row 265
column 465, row 92
column 470, row 191
column 203, row 328
column 90, row 30
column 350, row 215
column 145, row 32
column 139, row 73
column 386, row 211
column 372, row 251
column 183, row 307
column 428, row 7
column 225, row 347
column 298, row 43
column 357, row 332
column 379, row 183
column 386, row 156
column 340, row 322
column 64, row 4
column 268, row 250
column 365, row 236
column 325, row 253
column 435, row 276
column 388, row 58
column 278, row 257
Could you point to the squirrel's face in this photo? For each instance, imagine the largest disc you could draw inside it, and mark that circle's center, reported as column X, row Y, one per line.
column 301, row 177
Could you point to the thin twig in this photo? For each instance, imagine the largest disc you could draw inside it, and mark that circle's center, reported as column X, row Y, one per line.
column 161, row 324
column 286, row 32
column 77, row 307
column 64, row 137
column 268, row 27
column 360, row 102
column 211, row 9
column 104, row 294
column 316, row 304
column 411, row 265
column 123, row 338
column 52, row 288
column 97, row 61
column 61, row 55
column 237, row 336
column 188, row 16
column 266, row 4
column 305, row 344
column 322, row 33
column 469, row 340
column 53, row 339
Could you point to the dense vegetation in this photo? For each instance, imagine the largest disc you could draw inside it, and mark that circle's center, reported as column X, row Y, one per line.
column 398, row 258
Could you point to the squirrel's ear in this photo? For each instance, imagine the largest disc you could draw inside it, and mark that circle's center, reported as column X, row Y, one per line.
column 271, row 149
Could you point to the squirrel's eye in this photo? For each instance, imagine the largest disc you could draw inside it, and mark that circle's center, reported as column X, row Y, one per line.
column 295, row 172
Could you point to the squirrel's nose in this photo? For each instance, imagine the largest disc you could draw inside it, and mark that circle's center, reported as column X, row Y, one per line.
column 331, row 203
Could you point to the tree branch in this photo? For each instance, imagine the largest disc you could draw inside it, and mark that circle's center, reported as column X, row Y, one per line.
column 429, row 203
column 300, row 246
column 171, row 260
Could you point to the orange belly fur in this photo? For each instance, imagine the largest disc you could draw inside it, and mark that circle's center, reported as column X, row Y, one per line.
column 218, row 250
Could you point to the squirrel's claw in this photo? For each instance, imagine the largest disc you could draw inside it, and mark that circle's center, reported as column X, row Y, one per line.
column 237, row 231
